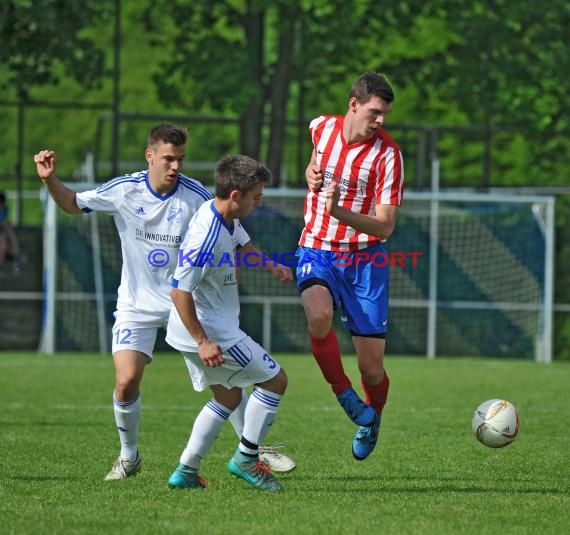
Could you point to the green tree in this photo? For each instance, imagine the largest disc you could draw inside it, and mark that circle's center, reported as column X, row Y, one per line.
column 37, row 35
column 492, row 62
column 37, row 39
column 243, row 57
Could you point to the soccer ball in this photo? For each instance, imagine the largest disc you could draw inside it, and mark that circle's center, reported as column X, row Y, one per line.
column 495, row 423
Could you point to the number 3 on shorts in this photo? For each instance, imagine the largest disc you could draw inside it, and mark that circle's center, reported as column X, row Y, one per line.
column 267, row 358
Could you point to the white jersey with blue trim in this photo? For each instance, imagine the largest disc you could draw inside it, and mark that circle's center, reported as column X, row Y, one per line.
column 151, row 228
column 207, row 269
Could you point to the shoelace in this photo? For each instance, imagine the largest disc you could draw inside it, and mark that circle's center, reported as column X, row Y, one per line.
column 366, row 433
column 271, row 449
column 261, row 468
column 120, row 466
column 189, row 474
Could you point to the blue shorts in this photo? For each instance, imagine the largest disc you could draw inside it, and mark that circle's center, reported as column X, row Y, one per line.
column 357, row 281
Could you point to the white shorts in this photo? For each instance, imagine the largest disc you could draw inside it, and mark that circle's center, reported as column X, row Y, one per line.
column 246, row 363
column 136, row 331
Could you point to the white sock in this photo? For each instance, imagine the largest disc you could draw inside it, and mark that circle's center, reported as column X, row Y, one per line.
column 205, row 430
column 259, row 415
column 238, row 415
column 269, row 422
column 128, row 421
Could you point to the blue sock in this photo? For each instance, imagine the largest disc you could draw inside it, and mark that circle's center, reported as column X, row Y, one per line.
column 241, row 457
column 186, row 469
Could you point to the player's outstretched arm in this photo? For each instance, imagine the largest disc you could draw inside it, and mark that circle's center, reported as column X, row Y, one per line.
column 63, row 196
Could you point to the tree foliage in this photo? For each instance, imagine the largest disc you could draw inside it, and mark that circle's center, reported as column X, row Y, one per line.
column 482, row 62
column 241, row 57
column 264, row 64
column 36, row 35
column 497, row 63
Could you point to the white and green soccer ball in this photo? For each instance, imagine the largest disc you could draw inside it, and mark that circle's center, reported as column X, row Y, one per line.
column 495, row 423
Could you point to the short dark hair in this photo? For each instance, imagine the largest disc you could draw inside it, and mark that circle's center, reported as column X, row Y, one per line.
column 168, row 133
column 371, row 84
column 239, row 172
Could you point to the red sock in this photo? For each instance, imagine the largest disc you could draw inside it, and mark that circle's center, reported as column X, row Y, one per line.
column 327, row 354
column 376, row 396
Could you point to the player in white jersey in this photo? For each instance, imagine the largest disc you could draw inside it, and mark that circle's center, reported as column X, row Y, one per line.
column 355, row 179
column 152, row 209
column 204, row 326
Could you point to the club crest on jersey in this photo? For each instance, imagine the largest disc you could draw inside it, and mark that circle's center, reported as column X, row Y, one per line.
column 175, row 215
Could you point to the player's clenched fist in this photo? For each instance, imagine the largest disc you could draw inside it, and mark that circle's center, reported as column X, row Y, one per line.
column 210, row 353
column 45, row 163
column 314, row 177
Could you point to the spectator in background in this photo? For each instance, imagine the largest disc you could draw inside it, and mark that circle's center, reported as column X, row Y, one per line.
column 9, row 246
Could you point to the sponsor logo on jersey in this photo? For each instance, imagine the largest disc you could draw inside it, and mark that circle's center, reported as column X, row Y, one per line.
column 140, row 211
column 158, row 237
column 229, row 279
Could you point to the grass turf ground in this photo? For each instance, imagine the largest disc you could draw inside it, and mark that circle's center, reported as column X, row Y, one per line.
column 428, row 474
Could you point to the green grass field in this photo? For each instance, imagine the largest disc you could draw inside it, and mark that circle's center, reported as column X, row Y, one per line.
column 428, row 474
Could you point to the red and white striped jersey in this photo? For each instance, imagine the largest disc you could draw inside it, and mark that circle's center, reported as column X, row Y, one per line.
column 370, row 172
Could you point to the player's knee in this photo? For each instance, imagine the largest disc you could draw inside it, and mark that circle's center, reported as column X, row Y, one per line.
column 282, row 381
column 230, row 399
column 320, row 322
column 277, row 384
column 372, row 372
column 126, row 388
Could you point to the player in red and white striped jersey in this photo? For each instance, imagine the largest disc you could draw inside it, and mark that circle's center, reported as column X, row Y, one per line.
column 355, row 178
